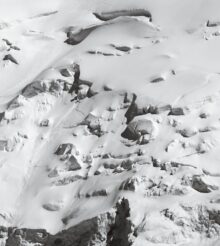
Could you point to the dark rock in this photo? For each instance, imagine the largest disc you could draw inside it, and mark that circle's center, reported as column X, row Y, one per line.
column 34, row 89
column 176, row 111
column 3, row 145
column 3, row 232
column 214, row 216
column 65, row 72
column 213, row 24
column 78, row 37
column 155, row 162
column 126, row 100
column 130, row 133
column 9, row 57
column 155, row 109
column 132, row 110
column 173, row 72
column 73, row 164
column 89, row 232
column 105, row 54
column 106, row 156
column 157, row 80
column 106, row 88
column 64, row 149
column 51, row 207
column 16, row 102
column 122, row 48
column 7, row 41
column 17, row 237
column 216, row 34
column 15, row 47
column 79, row 84
column 55, row 87
column 143, row 140
column 93, row 124
column 109, row 165
column 44, row 123
column 105, row 229
column 127, row 164
column 200, row 219
column 75, row 85
column 68, row 180
column 203, row 116
column 92, row 52
column 97, row 172
column 161, row 109
column 199, row 185
column 37, row 87
column 102, row 192
column 119, row 232
column 2, row 116
column 138, row 128
column 187, row 132
column 128, row 185
column 105, row 16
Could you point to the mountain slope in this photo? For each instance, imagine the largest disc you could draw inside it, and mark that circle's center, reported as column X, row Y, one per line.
column 105, row 108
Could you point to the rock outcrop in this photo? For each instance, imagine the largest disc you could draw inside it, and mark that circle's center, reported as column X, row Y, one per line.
column 110, row 229
column 105, row 16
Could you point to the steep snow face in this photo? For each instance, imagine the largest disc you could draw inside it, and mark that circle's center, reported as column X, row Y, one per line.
column 103, row 100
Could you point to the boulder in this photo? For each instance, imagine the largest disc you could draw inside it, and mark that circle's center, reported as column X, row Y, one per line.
column 138, row 128
column 73, row 164
column 94, row 124
column 64, row 149
column 44, row 123
column 130, row 133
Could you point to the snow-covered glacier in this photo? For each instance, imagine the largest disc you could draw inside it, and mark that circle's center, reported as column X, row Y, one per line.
column 109, row 122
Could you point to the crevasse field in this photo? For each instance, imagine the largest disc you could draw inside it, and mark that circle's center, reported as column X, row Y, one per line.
column 109, row 122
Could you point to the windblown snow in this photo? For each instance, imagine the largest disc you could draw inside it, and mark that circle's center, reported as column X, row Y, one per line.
column 110, row 122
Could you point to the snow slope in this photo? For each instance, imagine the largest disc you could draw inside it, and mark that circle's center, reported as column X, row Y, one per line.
column 143, row 124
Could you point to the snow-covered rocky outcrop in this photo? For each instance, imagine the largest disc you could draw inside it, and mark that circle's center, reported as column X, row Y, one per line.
column 109, row 122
